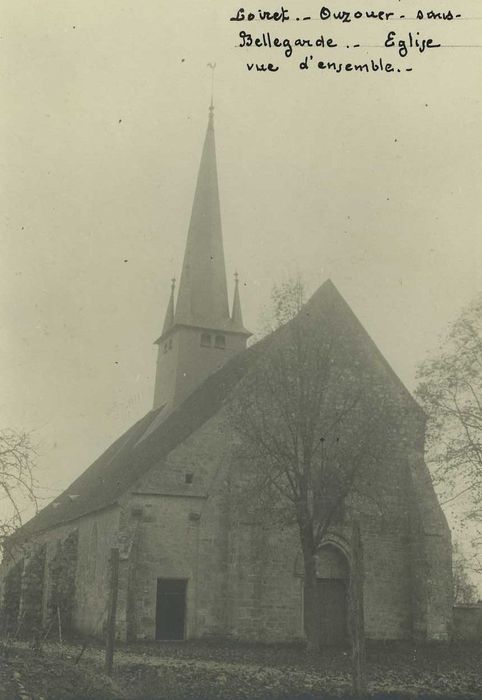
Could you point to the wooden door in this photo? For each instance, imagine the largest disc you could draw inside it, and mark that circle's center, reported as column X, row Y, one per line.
column 170, row 609
column 333, row 610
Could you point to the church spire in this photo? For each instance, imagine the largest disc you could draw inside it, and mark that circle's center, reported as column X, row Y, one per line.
column 203, row 297
column 199, row 334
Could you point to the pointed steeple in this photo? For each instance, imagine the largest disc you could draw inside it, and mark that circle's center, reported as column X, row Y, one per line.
column 203, row 296
column 169, row 320
column 199, row 335
column 237, row 315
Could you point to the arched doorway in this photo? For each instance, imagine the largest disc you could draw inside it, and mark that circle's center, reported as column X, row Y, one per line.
column 333, row 574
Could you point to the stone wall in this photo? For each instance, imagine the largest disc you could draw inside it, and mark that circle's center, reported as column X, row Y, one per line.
column 97, row 535
column 241, row 581
column 468, row 622
column 431, row 548
column 242, row 577
column 11, row 596
column 65, row 568
column 63, row 577
column 31, row 591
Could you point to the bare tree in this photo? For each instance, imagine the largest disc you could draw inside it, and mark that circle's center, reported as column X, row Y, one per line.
column 450, row 390
column 17, row 479
column 286, row 300
column 309, row 418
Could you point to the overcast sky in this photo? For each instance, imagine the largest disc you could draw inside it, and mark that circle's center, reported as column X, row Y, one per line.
column 373, row 181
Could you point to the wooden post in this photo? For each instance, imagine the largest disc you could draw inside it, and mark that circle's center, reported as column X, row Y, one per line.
column 357, row 617
column 113, row 590
column 59, row 624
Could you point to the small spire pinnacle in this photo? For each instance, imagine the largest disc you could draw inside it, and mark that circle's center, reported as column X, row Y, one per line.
column 212, row 66
column 237, row 316
column 169, row 320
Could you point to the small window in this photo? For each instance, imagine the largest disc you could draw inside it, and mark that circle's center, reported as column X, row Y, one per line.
column 205, row 340
column 166, row 347
column 220, row 342
column 170, row 343
column 189, row 477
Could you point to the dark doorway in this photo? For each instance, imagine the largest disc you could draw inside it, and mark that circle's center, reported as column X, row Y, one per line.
column 170, row 608
column 333, row 577
column 333, row 610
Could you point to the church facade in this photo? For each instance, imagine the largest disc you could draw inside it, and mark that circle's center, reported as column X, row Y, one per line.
column 162, row 496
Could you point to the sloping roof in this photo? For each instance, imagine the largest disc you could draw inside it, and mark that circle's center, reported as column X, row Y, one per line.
column 127, row 459
column 130, row 457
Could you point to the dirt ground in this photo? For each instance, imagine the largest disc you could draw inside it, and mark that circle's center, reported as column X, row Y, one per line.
column 220, row 671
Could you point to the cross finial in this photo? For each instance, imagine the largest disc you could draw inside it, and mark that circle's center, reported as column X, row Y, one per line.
column 236, row 277
column 173, row 283
column 212, row 66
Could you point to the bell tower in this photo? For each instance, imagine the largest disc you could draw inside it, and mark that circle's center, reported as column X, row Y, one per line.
column 199, row 333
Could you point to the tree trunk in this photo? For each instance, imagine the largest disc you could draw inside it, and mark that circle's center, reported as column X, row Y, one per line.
column 311, row 604
column 357, row 618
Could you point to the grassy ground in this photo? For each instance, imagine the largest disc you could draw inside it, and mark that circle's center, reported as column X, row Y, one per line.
column 220, row 671
column 25, row 675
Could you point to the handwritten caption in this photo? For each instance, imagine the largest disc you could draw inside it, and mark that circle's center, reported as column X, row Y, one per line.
column 391, row 40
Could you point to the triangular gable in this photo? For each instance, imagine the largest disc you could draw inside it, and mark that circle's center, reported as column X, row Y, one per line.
column 327, row 300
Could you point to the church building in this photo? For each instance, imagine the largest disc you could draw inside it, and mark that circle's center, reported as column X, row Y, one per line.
column 161, row 496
